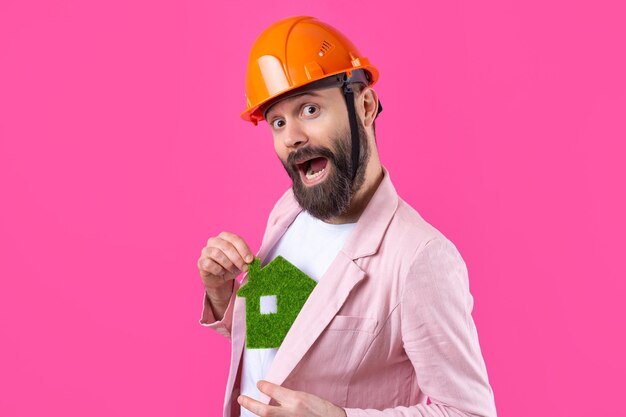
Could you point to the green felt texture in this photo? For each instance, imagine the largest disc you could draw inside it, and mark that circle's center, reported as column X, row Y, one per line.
column 291, row 288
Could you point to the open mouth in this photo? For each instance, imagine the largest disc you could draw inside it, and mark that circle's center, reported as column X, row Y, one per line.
column 313, row 170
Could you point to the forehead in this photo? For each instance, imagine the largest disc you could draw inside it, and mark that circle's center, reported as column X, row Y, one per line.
column 320, row 95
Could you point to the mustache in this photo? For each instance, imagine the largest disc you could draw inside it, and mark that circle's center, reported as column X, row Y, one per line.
column 310, row 152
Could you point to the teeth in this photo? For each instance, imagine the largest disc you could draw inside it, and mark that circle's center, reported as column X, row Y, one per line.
column 310, row 175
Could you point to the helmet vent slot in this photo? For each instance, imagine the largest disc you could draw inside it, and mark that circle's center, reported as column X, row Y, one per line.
column 325, row 48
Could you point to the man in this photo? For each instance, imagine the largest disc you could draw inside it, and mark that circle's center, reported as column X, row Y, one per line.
column 388, row 330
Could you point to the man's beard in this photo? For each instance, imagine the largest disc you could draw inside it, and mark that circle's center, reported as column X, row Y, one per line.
column 332, row 196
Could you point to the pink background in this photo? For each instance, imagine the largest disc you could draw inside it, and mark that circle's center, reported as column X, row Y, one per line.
column 122, row 152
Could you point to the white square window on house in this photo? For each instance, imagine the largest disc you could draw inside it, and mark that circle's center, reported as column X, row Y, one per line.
column 268, row 304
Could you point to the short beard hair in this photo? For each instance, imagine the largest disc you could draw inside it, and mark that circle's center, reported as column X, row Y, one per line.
column 332, row 196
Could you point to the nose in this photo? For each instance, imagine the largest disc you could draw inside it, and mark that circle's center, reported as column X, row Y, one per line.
column 293, row 136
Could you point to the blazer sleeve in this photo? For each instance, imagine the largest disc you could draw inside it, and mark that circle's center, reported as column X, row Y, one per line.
column 225, row 325
column 440, row 338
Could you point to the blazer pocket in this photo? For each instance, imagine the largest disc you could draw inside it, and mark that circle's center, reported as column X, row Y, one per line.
column 353, row 323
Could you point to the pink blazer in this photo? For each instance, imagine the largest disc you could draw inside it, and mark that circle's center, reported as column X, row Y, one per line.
column 388, row 329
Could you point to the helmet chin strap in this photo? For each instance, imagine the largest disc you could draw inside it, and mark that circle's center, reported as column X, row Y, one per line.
column 348, row 93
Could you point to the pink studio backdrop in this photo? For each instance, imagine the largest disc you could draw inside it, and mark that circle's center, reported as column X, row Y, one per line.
column 122, row 152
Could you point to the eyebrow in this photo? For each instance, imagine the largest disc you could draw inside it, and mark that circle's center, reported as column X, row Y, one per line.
column 309, row 93
column 298, row 96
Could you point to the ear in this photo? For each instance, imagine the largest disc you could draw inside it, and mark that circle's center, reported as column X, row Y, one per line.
column 369, row 106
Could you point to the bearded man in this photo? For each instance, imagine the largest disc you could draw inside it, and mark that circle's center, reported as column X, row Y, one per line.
column 387, row 331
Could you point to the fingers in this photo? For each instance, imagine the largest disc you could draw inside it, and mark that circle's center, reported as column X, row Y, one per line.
column 225, row 253
column 224, row 257
column 258, row 408
column 280, row 394
column 240, row 245
column 220, row 262
column 290, row 403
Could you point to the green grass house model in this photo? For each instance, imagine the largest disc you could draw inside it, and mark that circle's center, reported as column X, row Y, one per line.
column 286, row 288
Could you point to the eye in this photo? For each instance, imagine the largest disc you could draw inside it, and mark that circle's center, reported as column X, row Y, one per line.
column 310, row 110
column 278, row 123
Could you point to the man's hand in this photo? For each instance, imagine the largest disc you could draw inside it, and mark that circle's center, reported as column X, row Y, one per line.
column 291, row 403
column 222, row 259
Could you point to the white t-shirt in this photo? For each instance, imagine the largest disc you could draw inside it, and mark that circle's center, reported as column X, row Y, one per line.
column 311, row 245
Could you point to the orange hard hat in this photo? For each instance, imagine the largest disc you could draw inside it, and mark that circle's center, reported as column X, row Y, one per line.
column 295, row 52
